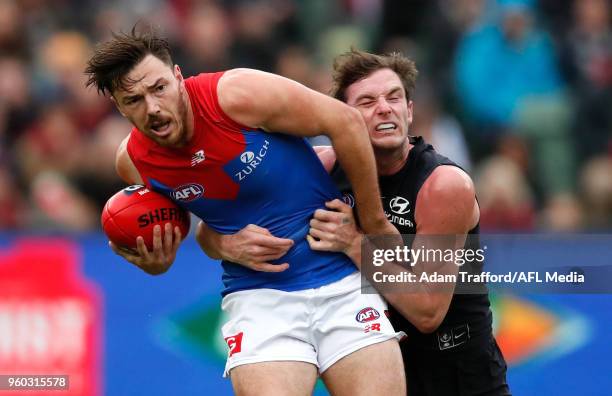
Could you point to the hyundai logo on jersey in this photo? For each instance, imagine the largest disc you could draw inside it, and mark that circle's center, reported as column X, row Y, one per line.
column 187, row 192
column 399, row 205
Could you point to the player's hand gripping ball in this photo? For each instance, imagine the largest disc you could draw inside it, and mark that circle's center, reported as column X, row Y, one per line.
column 135, row 210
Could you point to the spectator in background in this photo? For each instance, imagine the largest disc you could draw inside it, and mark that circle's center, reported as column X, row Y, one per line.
column 438, row 128
column 51, row 152
column 505, row 198
column 596, row 188
column 12, row 203
column 448, row 22
column 504, row 62
column 16, row 109
column 205, row 39
column 588, row 66
column 261, row 28
column 96, row 176
column 13, row 37
column 508, row 81
column 63, row 56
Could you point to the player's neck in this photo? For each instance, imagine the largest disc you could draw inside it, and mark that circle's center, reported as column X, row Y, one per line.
column 389, row 162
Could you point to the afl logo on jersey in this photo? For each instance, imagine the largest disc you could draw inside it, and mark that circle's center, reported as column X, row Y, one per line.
column 188, row 192
column 399, row 205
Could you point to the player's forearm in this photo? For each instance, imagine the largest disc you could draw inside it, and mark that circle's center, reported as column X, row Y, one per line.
column 418, row 308
column 419, row 304
column 422, row 302
column 354, row 251
column 210, row 241
column 355, row 155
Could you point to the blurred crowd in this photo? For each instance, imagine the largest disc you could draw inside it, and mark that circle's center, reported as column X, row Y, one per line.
column 518, row 92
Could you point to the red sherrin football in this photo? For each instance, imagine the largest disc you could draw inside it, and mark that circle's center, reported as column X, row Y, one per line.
column 135, row 210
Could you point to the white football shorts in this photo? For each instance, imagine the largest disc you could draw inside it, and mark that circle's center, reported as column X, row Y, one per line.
column 318, row 326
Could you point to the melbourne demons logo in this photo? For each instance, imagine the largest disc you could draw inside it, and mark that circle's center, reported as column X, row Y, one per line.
column 367, row 315
column 188, row 192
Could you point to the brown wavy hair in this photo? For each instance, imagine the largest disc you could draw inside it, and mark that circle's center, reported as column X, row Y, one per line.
column 355, row 65
column 114, row 59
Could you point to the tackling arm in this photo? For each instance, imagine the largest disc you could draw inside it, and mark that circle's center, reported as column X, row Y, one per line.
column 274, row 103
column 445, row 208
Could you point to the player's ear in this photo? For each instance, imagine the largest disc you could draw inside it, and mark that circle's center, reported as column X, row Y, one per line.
column 112, row 98
column 410, row 110
column 177, row 73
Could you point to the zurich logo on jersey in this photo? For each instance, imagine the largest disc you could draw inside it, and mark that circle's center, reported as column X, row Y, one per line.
column 188, row 192
column 252, row 160
column 247, row 157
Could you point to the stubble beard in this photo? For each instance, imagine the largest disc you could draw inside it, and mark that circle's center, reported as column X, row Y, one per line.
column 180, row 138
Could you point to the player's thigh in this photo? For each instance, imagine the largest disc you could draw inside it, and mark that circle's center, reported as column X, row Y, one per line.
column 274, row 379
column 374, row 370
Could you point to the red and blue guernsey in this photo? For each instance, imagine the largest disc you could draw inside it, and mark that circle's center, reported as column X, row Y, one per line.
column 230, row 176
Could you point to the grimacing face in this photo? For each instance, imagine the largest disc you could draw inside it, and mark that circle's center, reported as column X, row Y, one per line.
column 155, row 101
column 381, row 100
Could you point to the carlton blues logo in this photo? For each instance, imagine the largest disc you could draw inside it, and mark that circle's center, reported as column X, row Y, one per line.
column 188, row 192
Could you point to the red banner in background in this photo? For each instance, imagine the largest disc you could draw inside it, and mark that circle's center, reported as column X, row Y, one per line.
column 50, row 316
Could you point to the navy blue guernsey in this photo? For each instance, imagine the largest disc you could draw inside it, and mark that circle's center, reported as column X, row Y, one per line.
column 399, row 194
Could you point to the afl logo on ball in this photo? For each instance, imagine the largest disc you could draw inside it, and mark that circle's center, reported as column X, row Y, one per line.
column 367, row 315
column 188, row 192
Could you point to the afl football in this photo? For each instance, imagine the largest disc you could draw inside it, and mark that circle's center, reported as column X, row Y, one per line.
column 135, row 210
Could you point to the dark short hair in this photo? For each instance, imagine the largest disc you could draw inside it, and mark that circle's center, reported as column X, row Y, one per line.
column 114, row 59
column 355, row 65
